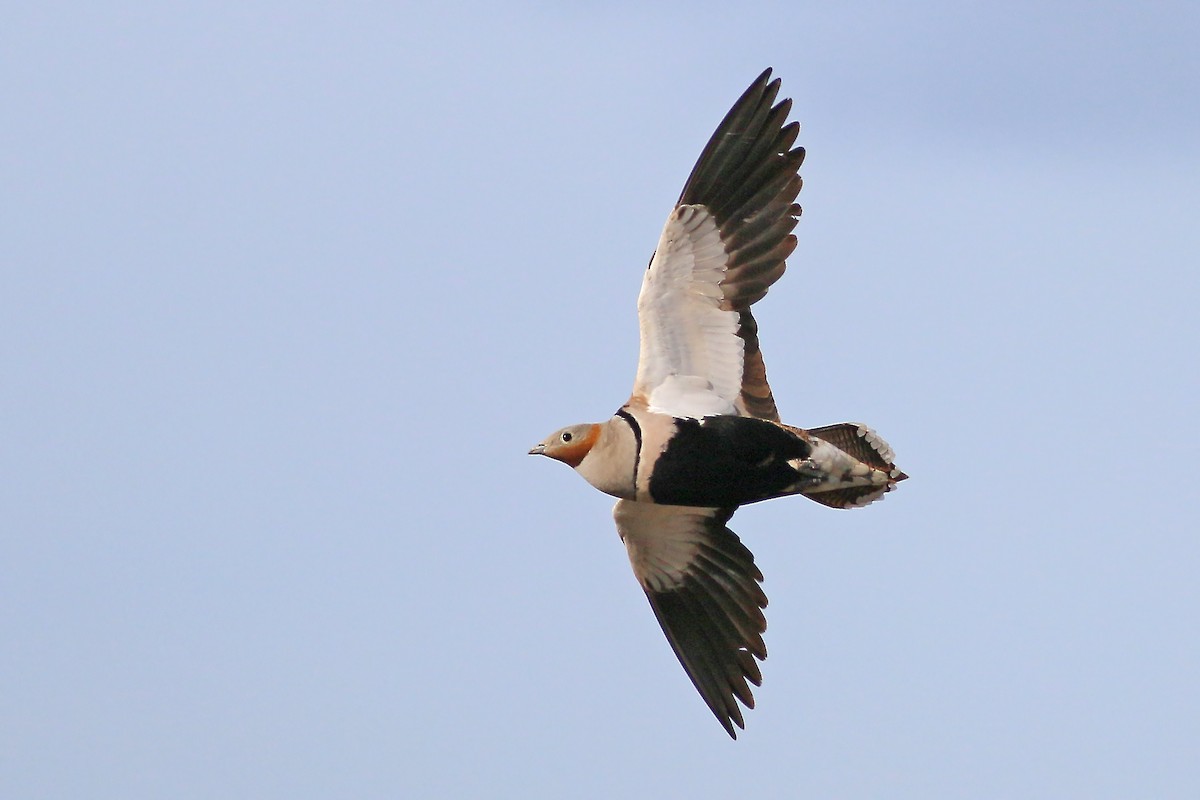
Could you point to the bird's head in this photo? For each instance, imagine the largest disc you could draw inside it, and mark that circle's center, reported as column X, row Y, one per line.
column 568, row 445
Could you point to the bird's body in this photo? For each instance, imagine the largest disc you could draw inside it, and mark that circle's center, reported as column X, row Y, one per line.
column 721, row 460
column 701, row 434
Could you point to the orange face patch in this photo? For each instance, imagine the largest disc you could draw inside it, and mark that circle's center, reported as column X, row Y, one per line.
column 573, row 452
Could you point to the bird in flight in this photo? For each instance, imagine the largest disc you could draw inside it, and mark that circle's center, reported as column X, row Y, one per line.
column 701, row 435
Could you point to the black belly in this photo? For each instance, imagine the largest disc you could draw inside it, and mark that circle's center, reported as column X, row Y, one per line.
column 726, row 461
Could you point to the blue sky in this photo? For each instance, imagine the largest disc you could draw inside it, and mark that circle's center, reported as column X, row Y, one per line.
column 290, row 289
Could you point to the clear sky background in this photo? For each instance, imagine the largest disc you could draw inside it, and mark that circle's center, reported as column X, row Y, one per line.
column 288, row 290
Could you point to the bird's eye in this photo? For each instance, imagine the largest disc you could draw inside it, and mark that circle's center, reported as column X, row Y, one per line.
column 566, row 437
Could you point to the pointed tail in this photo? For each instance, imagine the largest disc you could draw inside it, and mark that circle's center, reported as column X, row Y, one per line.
column 857, row 465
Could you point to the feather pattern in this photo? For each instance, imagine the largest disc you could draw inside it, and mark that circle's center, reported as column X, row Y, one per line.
column 703, row 586
column 723, row 246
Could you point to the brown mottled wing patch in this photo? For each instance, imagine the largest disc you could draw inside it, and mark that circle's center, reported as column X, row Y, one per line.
column 756, row 399
column 747, row 179
column 703, row 586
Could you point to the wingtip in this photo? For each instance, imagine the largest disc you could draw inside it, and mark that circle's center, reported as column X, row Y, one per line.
column 728, row 724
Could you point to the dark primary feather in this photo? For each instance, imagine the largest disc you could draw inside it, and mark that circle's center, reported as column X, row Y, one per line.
column 712, row 615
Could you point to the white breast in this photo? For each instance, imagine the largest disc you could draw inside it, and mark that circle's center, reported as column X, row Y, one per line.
column 610, row 464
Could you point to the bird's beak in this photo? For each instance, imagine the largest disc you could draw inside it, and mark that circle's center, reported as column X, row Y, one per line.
column 538, row 450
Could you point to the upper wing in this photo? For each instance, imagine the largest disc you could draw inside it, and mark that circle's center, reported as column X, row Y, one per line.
column 704, row 588
column 723, row 245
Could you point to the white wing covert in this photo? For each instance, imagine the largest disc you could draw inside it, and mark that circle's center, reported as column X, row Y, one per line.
column 691, row 356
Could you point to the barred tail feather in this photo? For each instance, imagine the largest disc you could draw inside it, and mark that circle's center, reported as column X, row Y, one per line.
column 859, row 464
